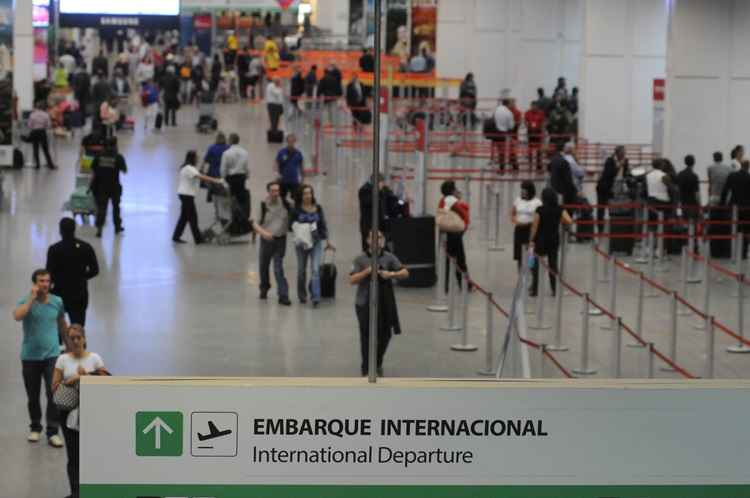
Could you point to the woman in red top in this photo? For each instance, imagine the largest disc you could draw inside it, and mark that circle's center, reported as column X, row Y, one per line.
column 455, row 241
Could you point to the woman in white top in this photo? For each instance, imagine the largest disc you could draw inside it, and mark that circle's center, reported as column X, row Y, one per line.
column 69, row 369
column 522, row 217
column 187, row 189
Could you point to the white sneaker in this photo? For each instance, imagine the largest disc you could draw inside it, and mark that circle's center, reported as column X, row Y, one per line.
column 33, row 437
column 56, row 441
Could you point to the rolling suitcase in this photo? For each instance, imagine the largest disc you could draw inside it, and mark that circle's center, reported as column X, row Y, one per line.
column 328, row 274
column 584, row 232
column 622, row 224
column 720, row 249
column 275, row 136
column 18, row 159
column 413, row 242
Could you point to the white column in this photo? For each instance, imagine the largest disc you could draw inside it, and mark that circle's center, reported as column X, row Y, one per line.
column 23, row 54
column 708, row 79
column 624, row 50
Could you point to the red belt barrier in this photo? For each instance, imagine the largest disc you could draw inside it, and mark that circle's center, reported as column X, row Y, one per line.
column 729, row 332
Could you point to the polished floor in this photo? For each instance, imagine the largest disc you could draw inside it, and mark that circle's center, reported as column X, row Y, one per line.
column 161, row 309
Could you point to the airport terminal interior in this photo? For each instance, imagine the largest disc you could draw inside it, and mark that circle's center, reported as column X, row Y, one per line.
column 480, row 106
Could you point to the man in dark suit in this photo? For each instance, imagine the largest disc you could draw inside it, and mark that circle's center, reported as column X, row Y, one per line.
column 561, row 178
column 615, row 166
column 357, row 103
column 737, row 193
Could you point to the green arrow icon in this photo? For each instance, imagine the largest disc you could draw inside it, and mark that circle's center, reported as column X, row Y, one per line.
column 158, row 434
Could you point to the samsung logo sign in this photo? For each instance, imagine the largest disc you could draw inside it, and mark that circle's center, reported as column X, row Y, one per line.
column 118, row 21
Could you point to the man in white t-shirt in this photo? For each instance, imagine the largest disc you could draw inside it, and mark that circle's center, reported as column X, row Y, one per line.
column 504, row 124
column 274, row 102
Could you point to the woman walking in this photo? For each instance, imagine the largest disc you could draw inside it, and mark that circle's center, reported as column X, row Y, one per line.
column 69, row 369
column 187, row 189
column 310, row 232
column 522, row 217
column 451, row 201
column 545, row 236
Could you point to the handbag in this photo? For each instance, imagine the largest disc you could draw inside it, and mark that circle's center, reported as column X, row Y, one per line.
column 66, row 397
column 449, row 221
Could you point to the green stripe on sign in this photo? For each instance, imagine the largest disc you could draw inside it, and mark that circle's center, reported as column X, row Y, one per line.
column 242, row 491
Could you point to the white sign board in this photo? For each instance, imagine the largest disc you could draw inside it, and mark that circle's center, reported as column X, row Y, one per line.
column 307, row 438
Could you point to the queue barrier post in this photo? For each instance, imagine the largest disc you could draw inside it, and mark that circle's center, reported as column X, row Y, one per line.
column 612, row 264
column 489, row 346
column 465, row 345
column 710, row 347
column 701, row 324
column 651, row 265
column 542, row 354
column 693, row 277
column 594, row 311
column 662, row 267
column 683, row 311
column 646, row 241
column 741, row 347
column 557, row 345
column 451, row 326
column 439, row 303
column 737, row 248
column 672, row 332
column 617, row 349
column 639, row 311
column 604, row 274
column 735, row 220
column 585, row 369
column 540, row 298
column 496, row 247
column 487, row 210
column 650, row 360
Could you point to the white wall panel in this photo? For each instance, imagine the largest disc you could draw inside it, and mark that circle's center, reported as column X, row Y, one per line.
column 696, row 126
column 542, row 62
column 454, row 48
column 739, row 117
column 488, row 67
column 701, row 31
column 607, row 80
column 605, row 26
column 573, row 20
column 570, row 65
column 641, row 109
column 491, row 15
column 650, row 22
column 740, row 54
column 541, row 19
column 454, row 11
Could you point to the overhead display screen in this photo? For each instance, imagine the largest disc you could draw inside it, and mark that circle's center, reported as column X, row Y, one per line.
column 121, row 7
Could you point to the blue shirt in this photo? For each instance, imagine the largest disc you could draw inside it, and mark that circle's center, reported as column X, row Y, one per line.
column 290, row 165
column 40, row 334
column 213, row 158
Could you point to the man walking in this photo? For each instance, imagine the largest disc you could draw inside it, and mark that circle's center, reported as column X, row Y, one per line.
column 39, row 122
column 44, row 323
column 290, row 163
column 105, row 184
column 72, row 263
column 273, row 227
column 235, row 170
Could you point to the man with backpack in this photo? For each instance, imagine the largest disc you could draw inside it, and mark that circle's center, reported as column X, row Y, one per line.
column 272, row 228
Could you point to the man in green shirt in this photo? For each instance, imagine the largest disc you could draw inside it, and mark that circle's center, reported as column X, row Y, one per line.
column 43, row 317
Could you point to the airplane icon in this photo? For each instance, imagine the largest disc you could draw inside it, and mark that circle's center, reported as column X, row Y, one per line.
column 214, row 433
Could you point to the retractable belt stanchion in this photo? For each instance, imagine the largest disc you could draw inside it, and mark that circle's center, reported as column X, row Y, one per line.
column 542, row 354
column 639, row 310
column 486, row 203
column 741, row 347
column 594, row 311
column 540, row 298
column 439, row 303
column 498, row 197
column 683, row 311
column 738, row 243
column 706, row 284
column 672, row 332
column 617, row 349
column 646, row 246
column 735, row 230
column 451, row 326
column 604, row 274
column 710, row 347
column 489, row 348
column 612, row 264
column 650, row 360
column 465, row 345
column 651, row 264
column 693, row 277
column 585, row 369
column 662, row 267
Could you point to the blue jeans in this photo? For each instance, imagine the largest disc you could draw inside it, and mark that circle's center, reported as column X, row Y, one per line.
column 314, row 255
column 273, row 250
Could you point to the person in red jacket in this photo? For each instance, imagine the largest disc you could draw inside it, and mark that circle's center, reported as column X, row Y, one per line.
column 455, row 241
column 534, row 119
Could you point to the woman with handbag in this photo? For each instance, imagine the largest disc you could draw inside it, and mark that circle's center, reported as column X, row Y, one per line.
column 453, row 219
column 545, row 236
column 522, row 217
column 69, row 369
column 308, row 223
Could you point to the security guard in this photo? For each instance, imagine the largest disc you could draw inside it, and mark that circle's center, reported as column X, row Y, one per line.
column 105, row 185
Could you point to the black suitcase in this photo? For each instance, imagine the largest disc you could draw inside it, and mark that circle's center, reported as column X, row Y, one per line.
column 674, row 246
column 328, row 274
column 720, row 249
column 584, row 231
column 158, row 121
column 18, row 159
column 275, row 136
column 622, row 224
column 413, row 241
